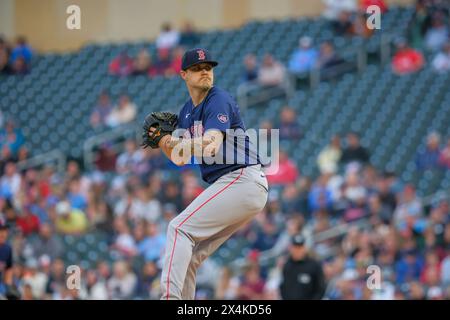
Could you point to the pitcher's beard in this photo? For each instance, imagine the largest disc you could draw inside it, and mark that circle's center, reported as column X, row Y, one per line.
column 205, row 87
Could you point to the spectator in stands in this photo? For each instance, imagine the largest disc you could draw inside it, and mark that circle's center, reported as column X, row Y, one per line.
column 273, row 213
column 168, row 37
column 406, row 60
column 330, row 156
column 291, row 203
column 435, row 293
column 250, row 73
column 11, row 140
column 144, row 206
column 364, row 4
column 69, row 220
column 320, row 196
column 385, row 192
column 127, row 161
column 123, row 282
column 56, row 279
column 354, row 151
column 265, row 236
column 163, row 64
column 303, row 277
column 23, row 154
column 19, row 66
column 428, row 158
column 23, row 51
column 304, row 57
column 101, row 111
column 334, row 7
column 437, row 221
column 444, row 158
column 228, row 282
column 441, row 62
column 124, row 243
column 359, row 27
column 35, row 197
column 148, row 281
column 47, row 244
column 438, row 34
column 251, row 286
column 294, row 225
column 431, row 273
column 99, row 211
column 445, row 269
column 95, row 287
column 121, row 66
column 10, row 182
column 105, row 158
column 103, row 270
column 328, row 59
column 175, row 66
column 6, row 263
column 148, row 160
column 75, row 195
column 289, row 127
column 172, row 195
column 271, row 73
column 36, row 279
column 142, row 62
column 356, row 194
column 343, row 25
column 287, row 171
column 189, row 38
column 123, row 113
column 409, row 212
column 74, row 172
column 4, row 58
column 190, row 188
column 152, row 246
column 377, row 211
column 419, row 24
column 409, row 267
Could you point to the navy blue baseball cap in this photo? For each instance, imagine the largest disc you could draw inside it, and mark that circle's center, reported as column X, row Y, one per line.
column 298, row 240
column 196, row 56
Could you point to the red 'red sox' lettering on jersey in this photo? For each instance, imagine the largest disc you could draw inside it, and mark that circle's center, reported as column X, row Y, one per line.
column 195, row 131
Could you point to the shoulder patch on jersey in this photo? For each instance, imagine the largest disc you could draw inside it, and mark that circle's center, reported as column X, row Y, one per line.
column 222, row 117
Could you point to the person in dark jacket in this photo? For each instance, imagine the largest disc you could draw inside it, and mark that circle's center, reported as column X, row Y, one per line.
column 303, row 277
column 7, row 289
column 354, row 151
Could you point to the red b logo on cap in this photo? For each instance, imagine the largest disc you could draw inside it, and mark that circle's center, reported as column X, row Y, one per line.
column 201, row 55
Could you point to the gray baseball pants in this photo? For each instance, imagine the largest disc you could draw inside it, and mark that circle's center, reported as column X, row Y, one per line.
column 225, row 206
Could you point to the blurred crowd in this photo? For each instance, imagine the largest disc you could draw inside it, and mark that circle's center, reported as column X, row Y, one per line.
column 107, row 115
column 428, row 32
column 131, row 202
column 170, row 46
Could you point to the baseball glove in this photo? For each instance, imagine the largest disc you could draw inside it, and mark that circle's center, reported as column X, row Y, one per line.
column 164, row 123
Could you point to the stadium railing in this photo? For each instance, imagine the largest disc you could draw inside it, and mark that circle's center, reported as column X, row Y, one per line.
column 111, row 136
column 48, row 158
